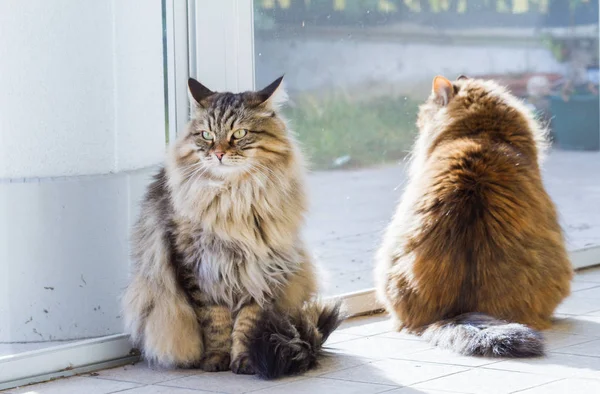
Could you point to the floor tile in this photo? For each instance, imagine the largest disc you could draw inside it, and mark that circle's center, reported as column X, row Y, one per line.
column 556, row 340
column 401, row 335
column 376, row 325
column 331, row 362
column 395, row 372
column 327, row 386
column 412, row 390
column 162, row 390
column 365, row 356
column 486, row 381
column 591, row 349
column 596, row 314
column 558, row 317
column 555, row 365
column 574, row 386
column 142, row 373
column 226, row 382
column 443, row 356
column 75, row 385
column 337, row 337
column 589, row 275
column 579, row 325
column 576, row 305
column 577, row 286
column 593, row 292
column 378, row 348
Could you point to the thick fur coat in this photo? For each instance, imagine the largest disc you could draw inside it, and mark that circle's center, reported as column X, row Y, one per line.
column 474, row 257
column 217, row 247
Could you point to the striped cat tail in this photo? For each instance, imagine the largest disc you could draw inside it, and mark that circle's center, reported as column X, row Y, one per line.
column 289, row 344
column 477, row 334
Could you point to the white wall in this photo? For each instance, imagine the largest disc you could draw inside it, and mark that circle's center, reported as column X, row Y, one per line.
column 81, row 86
column 82, row 122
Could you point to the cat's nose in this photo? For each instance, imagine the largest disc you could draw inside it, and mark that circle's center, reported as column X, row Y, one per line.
column 220, row 155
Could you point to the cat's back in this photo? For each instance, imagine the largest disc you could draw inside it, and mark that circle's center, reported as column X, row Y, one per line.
column 492, row 227
column 482, row 168
column 476, row 230
column 482, row 184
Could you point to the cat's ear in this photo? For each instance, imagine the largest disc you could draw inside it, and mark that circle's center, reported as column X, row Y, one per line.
column 442, row 90
column 198, row 92
column 273, row 95
column 461, row 77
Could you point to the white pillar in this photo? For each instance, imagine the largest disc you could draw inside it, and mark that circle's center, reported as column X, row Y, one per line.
column 82, row 123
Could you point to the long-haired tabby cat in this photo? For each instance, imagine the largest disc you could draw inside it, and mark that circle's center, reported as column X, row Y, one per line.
column 474, row 258
column 221, row 276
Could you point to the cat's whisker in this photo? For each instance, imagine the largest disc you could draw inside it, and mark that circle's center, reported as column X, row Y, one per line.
column 278, row 178
column 198, row 173
column 191, row 168
column 186, row 174
column 269, row 170
column 193, row 171
column 257, row 179
column 265, row 175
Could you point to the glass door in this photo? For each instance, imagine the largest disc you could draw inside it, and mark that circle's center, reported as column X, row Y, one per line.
column 356, row 72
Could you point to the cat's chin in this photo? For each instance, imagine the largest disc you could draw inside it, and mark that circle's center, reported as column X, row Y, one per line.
column 226, row 170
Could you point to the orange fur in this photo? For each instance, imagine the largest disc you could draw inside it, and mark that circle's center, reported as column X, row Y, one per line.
column 476, row 230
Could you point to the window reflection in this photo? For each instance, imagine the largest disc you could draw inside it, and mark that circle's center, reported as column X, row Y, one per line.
column 357, row 70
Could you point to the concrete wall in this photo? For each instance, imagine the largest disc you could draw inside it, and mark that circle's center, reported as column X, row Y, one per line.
column 80, row 86
column 312, row 63
column 81, row 125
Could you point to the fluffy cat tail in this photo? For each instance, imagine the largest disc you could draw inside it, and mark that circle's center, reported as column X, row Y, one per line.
column 477, row 334
column 288, row 344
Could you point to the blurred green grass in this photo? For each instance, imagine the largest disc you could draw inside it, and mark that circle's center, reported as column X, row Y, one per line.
column 371, row 132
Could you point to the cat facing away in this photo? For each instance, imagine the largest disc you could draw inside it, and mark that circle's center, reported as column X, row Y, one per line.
column 474, row 257
column 221, row 276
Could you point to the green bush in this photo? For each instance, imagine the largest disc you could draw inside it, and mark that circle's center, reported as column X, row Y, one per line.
column 370, row 133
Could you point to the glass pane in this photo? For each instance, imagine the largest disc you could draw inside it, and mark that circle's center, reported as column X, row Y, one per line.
column 357, row 70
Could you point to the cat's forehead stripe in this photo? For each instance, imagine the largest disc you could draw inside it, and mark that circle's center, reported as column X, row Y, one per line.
column 224, row 110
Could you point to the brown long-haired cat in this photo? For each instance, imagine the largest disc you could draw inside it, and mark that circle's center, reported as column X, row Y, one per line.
column 474, row 258
column 221, row 276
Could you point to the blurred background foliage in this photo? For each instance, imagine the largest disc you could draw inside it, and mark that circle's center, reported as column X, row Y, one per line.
column 375, row 12
column 350, row 127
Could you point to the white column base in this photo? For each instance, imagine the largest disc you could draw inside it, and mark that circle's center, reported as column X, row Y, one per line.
column 65, row 254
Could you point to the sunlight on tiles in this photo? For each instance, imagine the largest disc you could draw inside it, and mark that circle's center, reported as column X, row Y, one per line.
column 366, row 356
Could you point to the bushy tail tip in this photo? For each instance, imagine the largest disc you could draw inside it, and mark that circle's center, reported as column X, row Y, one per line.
column 477, row 334
column 288, row 344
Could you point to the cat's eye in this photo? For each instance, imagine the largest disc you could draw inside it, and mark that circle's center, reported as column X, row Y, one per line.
column 241, row 133
column 207, row 136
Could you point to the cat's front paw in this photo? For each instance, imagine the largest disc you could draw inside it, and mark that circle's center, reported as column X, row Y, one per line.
column 216, row 361
column 242, row 365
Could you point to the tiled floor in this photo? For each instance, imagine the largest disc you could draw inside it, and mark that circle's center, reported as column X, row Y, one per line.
column 365, row 357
